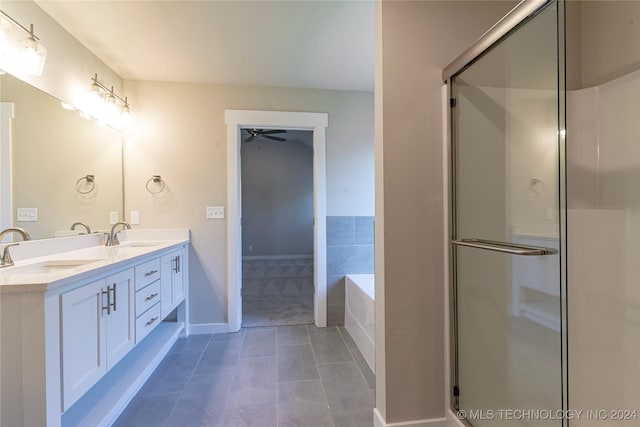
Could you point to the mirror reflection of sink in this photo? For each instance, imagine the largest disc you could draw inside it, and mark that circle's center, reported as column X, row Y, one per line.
column 48, row 267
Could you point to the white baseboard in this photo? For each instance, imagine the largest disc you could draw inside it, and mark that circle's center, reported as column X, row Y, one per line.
column 453, row 420
column 208, row 328
column 378, row 421
column 271, row 257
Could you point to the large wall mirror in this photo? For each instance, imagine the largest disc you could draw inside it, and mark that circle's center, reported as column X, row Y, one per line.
column 68, row 168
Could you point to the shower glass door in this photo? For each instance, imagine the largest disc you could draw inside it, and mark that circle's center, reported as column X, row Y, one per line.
column 507, row 118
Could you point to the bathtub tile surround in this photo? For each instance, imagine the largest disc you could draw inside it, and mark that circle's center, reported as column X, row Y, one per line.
column 277, row 292
column 349, row 251
column 257, row 386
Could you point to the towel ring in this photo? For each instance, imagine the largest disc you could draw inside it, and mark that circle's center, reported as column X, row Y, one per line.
column 90, row 183
column 156, row 179
column 537, row 186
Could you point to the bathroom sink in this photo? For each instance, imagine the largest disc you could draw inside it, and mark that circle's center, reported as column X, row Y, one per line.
column 141, row 244
column 48, row 267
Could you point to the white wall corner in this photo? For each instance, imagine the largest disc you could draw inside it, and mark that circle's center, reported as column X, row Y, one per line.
column 378, row 421
column 208, row 328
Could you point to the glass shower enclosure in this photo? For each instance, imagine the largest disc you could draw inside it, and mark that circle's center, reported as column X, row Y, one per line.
column 508, row 220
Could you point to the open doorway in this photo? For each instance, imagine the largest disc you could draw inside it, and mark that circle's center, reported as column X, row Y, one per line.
column 277, row 227
column 315, row 123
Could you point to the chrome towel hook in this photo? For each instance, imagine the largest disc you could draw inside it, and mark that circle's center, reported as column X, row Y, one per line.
column 86, row 184
column 157, row 181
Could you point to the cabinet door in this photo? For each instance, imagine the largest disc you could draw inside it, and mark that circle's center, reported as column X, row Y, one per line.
column 166, row 272
column 84, row 353
column 121, row 320
column 177, row 284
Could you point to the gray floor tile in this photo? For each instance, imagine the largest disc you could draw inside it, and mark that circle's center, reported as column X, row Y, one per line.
column 251, row 415
column 367, row 373
column 313, row 329
column 296, row 363
column 202, row 403
column 358, row 419
column 172, row 374
column 259, row 343
column 293, row 335
column 347, row 337
column 346, row 389
column 191, row 344
column 220, row 356
column 254, row 382
column 329, row 347
column 151, row 411
column 302, row 404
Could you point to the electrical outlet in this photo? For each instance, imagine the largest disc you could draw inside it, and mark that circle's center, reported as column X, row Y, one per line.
column 113, row 217
column 215, row 212
column 134, row 218
column 27, row 214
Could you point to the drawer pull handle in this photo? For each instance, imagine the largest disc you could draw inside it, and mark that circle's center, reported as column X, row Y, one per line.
column 114, row 297
column 150, row 297
column 150, row 273
column 108, row 294
column 150, row 322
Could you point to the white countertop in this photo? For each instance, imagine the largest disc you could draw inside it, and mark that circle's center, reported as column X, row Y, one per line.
column 24, row 277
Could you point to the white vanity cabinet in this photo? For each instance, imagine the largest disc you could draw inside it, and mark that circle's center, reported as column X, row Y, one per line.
column 97, row 332
column 78, row 344
column 172, row 280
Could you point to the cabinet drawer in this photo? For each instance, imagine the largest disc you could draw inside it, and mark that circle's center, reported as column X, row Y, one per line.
column 145, row 323
column 147, row 297
column 147, row 273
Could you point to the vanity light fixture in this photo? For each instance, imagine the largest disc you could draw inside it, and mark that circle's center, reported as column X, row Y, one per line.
column 104, row 105
column 28, row 55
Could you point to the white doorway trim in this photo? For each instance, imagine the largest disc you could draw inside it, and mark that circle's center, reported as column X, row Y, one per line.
column 6, row 209
column 316, row 122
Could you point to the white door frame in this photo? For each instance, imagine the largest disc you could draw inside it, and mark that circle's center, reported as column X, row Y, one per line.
column 6, row 210
column 316, row 122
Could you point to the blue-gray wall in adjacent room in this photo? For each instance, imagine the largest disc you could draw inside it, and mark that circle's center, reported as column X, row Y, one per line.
column 349, row 251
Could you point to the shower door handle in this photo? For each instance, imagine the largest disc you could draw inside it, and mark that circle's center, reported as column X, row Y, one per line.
column 504, row 247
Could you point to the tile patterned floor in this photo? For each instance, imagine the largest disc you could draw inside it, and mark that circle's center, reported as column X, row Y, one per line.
column 289, row 376
column 277, row 292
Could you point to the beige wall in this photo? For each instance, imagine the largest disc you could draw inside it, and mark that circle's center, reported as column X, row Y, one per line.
column 180, row 133
column 418, row 40
column 610, row 44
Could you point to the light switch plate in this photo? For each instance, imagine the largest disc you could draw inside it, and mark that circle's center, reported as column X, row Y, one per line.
column 27, row 214
column 134, row 218
column 113, row 217
column 215, row 212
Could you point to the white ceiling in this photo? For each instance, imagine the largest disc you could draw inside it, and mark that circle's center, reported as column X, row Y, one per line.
column 306, row 44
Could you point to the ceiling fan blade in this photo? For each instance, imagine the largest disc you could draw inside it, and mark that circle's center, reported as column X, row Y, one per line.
column 270, row 132
column 251, row 138
column 274, row 138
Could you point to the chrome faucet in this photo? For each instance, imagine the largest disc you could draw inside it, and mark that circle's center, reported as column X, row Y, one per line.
column 112, row 239
column 6, row 256
column 73, row 226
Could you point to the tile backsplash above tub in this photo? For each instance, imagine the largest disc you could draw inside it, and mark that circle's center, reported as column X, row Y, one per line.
column 349, row 251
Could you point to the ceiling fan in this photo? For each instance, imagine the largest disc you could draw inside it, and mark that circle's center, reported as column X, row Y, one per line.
column 262, row 133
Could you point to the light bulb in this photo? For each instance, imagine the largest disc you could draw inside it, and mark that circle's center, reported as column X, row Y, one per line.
column 125, row 117
column 33, row 55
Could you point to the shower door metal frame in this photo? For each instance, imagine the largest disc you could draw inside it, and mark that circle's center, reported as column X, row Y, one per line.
column 525, row 11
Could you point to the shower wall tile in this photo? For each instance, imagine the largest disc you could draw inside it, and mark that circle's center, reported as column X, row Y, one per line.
column 340, row 230
column 343, row 260
column 349, row 251
column 364, row 230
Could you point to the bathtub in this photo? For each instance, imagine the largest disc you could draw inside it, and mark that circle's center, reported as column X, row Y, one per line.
column 359, row 319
